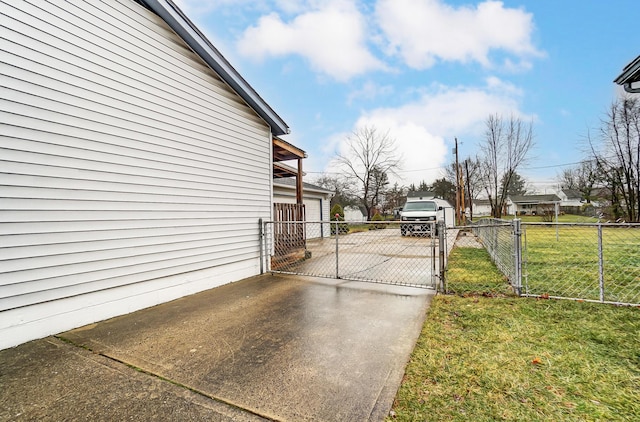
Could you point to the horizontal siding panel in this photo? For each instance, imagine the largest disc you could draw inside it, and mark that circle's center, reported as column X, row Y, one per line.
column 48, row 156
column 118, row 70
column 51, row 256
column 159, row 100
column 120, row 277
column 121, row 40
column 65, row 205
column 78, row 101
column 152, row 58
column 92, row 217
column 123, row 158
column 91, row 145
column 22, row 282
column 26, row 174
column 24, row 107
column 11, row 245
column 98, row 195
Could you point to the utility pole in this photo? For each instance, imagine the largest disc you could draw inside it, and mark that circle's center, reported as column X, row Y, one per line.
column 457, row 186
column 463, row 216
column 466, row 165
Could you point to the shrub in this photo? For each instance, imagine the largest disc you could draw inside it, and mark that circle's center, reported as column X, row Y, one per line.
column 376, row 217
column 337, row 214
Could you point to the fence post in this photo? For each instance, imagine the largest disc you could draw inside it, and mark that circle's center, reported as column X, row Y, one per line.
column 261, row 240
column 600, row 263
column 517, row 255
column 337, row 235
column 442, row 254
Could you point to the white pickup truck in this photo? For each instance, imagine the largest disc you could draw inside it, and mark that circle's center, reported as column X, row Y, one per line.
column 419, row 216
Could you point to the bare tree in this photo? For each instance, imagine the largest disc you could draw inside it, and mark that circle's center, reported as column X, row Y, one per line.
column 503, row 151
column 368, row 159
column 618, row 157
column 342, row 188
column 582, row 178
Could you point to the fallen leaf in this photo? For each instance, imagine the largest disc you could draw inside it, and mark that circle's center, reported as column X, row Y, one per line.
column 536, row 361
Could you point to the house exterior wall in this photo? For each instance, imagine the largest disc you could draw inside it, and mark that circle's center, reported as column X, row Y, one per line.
column 316, row 207
column 354, row 214
column 131, row 174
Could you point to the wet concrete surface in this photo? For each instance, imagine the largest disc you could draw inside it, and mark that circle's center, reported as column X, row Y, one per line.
column 51, row 380
column 278, row 347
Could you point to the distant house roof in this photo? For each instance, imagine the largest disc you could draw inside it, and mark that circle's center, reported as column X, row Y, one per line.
column 290, row 182
column 535, row 199
column 572, row 193
column 180, row 23
column 630, row 75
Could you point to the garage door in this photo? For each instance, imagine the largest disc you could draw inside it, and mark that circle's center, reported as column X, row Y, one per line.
column 312, row 212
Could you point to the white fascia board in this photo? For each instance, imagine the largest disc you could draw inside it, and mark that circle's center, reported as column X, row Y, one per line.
column 180, row 23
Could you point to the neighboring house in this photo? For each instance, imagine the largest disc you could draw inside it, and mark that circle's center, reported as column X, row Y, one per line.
column 481, row 208
column 532, row 204
column 355, row 214
column 317, row 201
column 570, row 201
column 136, row 163
column 630, row 77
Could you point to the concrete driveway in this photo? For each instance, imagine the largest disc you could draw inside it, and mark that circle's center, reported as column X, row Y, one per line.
column 269, row 347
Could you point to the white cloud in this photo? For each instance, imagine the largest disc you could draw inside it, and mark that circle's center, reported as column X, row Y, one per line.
column 331, row 37
column 424, row 129
column 370, row 91
column 423, row 32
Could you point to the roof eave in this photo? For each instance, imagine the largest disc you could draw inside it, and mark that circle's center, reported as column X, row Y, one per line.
column 629, row 76
column 180, row 23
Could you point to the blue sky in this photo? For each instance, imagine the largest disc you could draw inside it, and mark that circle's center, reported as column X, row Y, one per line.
column 429, row 71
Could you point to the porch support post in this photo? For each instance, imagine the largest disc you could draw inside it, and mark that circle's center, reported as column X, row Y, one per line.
column 299, row 183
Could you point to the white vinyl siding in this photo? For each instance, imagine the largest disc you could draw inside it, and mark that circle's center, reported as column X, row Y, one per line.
column 126, row 164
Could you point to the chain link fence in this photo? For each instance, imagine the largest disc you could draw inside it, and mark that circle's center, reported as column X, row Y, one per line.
column 481, row 244
column 582, row 261
column 367, row 251
column 593, row 262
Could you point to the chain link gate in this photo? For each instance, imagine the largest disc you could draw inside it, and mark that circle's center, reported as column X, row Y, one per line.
column 367, row 251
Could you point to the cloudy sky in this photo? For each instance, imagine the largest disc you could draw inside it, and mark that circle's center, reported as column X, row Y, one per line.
column 428, row 71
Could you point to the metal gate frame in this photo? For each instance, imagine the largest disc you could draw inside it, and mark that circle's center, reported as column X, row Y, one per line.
column 376, row 253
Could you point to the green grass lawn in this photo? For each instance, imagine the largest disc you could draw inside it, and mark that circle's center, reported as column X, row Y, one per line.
column 566, row 218
column 482, row 278
column 504, row 358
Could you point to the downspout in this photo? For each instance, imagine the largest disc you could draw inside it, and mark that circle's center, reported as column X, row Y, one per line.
column 630, row 89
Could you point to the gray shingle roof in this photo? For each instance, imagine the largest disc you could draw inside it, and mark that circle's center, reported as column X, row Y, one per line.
column 535, row 199
column 290, row 181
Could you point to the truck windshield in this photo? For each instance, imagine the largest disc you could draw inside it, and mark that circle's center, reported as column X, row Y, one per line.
column 420, row 206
